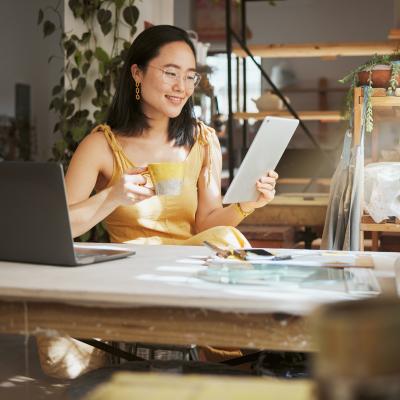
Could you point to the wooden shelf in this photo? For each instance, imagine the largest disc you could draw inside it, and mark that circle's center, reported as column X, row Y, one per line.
column 304, row 181
column 324, row 50
column 323, row 116
column 368, row 224
column 293, row 89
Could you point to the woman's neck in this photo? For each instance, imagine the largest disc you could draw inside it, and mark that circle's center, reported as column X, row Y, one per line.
column 158, row 130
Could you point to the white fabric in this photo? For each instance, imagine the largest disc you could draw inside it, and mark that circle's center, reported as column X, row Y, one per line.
column 382, row 190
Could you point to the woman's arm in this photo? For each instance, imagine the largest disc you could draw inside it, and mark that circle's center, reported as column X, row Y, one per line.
column 210, row 211
column 92, row 158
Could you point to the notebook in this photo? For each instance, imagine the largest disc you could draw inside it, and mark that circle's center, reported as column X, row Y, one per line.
column 34, row 217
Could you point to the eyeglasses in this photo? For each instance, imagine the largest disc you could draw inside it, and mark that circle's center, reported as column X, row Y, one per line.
column 172, row 75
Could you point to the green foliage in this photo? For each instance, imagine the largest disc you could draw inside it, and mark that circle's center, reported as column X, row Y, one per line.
column 90, row 71
column 369, row 118
column 393, row 60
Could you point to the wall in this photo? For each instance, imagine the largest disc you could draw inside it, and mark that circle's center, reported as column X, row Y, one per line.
column 24, row 55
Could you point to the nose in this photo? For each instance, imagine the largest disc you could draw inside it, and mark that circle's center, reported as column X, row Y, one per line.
column 180, row 83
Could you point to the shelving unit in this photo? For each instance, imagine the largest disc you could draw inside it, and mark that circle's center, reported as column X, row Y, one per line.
column 321, row 50
column 382, row 101
column 325, row 50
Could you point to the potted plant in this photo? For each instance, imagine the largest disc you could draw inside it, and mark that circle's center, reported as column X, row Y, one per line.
column 381, row 71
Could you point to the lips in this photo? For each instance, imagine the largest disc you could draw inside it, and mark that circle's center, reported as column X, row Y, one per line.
column 174, row 99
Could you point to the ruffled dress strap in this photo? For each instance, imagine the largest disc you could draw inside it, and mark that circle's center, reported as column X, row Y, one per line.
column 122, row 162
column 206, row 137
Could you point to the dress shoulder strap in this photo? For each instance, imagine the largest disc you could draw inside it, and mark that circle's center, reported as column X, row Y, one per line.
column 206, row 137
column 122, row 162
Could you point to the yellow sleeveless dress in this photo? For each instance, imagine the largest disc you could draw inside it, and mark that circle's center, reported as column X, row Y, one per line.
column 158, row 220
column 167, row 219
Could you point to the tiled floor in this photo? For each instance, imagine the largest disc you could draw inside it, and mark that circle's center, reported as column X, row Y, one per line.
column 21, row 377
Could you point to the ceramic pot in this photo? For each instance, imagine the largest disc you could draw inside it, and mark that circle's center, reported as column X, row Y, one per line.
column 269, row 101
column 380, row 77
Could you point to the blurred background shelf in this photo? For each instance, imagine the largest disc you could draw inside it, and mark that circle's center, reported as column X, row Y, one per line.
column 323, row 50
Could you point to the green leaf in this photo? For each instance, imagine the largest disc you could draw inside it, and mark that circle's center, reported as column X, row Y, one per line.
column 85, row 68
column 76, row 7
column 69, row 109
column 40, row 16
column 103, row 16
column 80, row 86
column 71, row 94
column 131, row 15
column 106, row 28
column 102, row 69
column 69, row 47
column 99, row 86
column 78, row 133
column 48, row 28
column 101, row 55
column 75, row 73
column 86, row 37
column 88, row 54
column 60, row 145
column 78, row 58
column 56, row 90
column 56, row 104
column 100, row 116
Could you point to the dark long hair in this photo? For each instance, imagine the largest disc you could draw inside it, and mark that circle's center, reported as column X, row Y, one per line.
column 125, row 114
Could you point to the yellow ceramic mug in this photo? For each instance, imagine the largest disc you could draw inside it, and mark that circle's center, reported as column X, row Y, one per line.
column 167, row 177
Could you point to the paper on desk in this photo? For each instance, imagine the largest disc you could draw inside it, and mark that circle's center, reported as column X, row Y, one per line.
column 321, row 259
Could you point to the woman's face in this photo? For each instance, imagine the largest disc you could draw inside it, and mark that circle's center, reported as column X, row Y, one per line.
column 167, row 82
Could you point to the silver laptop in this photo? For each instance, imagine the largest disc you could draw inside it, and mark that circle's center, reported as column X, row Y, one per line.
column 34, row 220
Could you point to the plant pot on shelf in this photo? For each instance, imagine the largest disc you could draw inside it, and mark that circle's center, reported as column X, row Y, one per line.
column 380, row 76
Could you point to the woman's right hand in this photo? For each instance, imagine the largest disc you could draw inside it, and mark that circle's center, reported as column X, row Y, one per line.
column 130, row 188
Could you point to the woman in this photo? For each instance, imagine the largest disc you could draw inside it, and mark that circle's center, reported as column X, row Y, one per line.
column 150, row 120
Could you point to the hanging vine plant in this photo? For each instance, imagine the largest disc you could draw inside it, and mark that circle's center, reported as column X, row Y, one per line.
column 90, row 71
column 84, row 57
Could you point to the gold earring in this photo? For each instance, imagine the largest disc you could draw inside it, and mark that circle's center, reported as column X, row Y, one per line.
column 137, row 91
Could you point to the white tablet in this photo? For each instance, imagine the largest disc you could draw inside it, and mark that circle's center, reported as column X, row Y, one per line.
column 266, row 150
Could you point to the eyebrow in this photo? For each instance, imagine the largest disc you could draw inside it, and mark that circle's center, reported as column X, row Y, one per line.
column 178, row 67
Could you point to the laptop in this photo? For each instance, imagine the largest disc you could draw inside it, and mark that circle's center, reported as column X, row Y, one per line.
column 34, row 219
column 265, row 151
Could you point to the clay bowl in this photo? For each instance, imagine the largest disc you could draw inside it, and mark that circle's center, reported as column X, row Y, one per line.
column 380, row 77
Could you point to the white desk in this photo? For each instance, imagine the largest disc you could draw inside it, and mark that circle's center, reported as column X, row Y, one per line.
column 156, row 297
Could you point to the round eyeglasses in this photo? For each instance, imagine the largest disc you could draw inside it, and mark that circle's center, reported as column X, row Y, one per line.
column 172, row 75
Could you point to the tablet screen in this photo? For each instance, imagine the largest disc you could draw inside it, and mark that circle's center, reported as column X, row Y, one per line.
column 266, row 150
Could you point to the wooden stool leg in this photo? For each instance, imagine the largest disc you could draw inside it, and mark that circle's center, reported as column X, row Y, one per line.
column 375, row 241
column 361, row 240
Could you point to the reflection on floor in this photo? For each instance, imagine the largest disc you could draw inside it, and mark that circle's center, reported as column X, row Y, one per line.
column 21, row 377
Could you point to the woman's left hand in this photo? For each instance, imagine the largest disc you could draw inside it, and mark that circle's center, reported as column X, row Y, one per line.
column 266, row 186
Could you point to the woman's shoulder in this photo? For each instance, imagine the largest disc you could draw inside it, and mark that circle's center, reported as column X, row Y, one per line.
column 95, row 146
column 205, row 134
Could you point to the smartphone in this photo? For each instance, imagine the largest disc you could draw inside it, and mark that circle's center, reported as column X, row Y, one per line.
column 258, row 252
